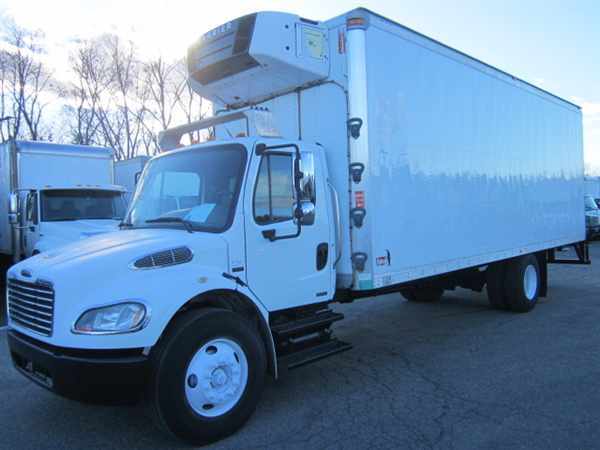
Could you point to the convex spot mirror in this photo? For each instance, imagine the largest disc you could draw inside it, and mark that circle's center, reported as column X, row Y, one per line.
column 306, row 212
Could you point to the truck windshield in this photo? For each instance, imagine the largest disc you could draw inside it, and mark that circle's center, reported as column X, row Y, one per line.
column 81, row 204
column 195, row 189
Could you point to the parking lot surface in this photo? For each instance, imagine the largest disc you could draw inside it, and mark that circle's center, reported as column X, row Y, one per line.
column 456, row 374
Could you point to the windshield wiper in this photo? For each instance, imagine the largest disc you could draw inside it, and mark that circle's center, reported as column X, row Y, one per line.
column 186, row 223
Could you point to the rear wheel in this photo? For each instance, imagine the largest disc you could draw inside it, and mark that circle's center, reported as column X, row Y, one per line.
column 522, row 283
column 422, row 294
column 208, row 375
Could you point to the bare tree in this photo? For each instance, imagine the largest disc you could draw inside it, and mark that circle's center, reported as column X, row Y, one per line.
column 164, row 88
column 190, row 104
column 110, row 95
column 92, row 79
column 26, row 80
column 5, row 99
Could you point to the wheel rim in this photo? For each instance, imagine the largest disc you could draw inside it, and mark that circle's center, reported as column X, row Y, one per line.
column 216, row 377
column 530, row 282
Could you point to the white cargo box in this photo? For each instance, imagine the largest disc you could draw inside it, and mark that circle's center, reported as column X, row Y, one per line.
column 464, row 164
column 128, row 172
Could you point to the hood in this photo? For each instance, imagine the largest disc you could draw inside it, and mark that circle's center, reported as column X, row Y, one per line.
column 104, row 253
column 78, row 229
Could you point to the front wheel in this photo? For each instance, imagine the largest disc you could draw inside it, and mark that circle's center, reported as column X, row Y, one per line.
column 208, row 375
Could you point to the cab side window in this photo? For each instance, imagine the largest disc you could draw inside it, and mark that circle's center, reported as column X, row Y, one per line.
column 274, row 191
column 31, row 209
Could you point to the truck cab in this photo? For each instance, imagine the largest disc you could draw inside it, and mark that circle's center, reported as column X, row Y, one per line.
column 54, row 193
column 56, row 215
column 264, row 199
column 219, row 233
column 592, row 218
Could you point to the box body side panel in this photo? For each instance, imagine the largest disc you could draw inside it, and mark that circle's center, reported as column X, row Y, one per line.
column 464, row 167
column 5, row 228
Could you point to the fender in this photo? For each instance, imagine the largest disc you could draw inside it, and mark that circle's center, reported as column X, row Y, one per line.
column 265, row 328
column 226, row 296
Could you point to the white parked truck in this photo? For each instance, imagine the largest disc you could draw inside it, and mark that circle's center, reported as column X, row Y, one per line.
column 128, row 172
column 54, row 194
column 355, row 157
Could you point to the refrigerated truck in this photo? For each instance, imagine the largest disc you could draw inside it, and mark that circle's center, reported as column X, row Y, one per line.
column 53, row 194
column 355, row 157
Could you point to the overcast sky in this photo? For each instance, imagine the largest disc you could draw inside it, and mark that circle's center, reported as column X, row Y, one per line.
column 552, row 43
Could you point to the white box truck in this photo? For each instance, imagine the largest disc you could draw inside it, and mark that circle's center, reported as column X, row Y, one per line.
column 128, row 172
column 55, row 194
column 356, row 157
column 592, row 187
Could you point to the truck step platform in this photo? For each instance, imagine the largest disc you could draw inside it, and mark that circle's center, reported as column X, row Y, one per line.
column 306, row 325
column 311, row 354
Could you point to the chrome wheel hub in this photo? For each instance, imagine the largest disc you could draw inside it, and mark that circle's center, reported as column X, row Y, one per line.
column 530, row 282
column 216, row 377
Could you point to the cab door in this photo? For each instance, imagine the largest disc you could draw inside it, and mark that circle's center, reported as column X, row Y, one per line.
column 288, row 258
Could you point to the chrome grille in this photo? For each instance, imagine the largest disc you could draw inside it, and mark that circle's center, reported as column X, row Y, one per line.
column 31, row 305
column 164, row 258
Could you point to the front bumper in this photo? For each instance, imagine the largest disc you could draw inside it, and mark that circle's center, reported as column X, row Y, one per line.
column 88, row 375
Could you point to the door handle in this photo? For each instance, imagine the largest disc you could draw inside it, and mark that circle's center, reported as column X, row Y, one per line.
column 322, row 255
column 31, row 228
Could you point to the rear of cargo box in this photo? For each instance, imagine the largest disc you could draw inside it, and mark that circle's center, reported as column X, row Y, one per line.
column 466, row 165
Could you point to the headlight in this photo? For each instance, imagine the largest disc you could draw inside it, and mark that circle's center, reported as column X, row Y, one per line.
column 120, row 318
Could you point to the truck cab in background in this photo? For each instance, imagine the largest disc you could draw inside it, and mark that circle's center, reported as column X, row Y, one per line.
column 57, row 215
column 592, row 218
column 55, row 194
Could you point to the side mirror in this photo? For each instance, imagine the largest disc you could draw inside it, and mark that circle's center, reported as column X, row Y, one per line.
column 13, row 208
column 307, row 209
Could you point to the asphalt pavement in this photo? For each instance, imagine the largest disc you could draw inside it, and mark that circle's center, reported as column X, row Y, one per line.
column 456, row 374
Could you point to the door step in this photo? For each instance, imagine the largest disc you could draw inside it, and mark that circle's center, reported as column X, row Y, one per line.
column 311, row 354
column 304, row 335
column 305, row 325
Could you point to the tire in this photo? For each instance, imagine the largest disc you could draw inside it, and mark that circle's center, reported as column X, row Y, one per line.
column 198, row 371
column 422, row 294
column 522, row 283
column 495, row 279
